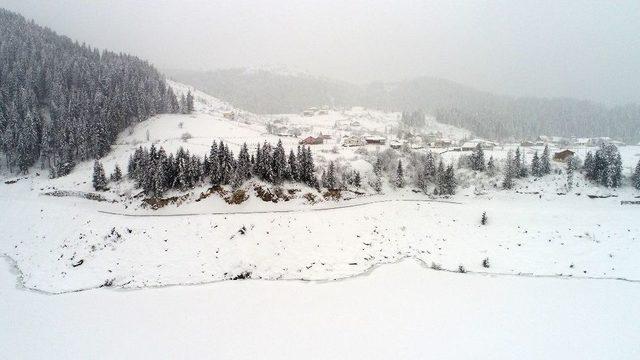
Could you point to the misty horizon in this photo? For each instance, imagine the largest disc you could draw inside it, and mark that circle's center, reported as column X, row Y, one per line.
column 580, row 50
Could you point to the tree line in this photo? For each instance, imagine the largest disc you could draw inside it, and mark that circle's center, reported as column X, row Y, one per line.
column 156, row 172
column 63, row 102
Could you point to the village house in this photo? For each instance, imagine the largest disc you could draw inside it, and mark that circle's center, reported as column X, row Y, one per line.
column 351, row 141
column 442, row 143
column 310, row 140
column 563, row 156
column 229, row 115
column 395, row 144
column 375, row 140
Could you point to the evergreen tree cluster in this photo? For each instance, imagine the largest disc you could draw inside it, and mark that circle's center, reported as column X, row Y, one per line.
column 477, row 159
column 99, row 180
column 61, row 101
column 605, row 166
column 516, row 166
column 443, row 178
column 156, row 172
column 541, row 165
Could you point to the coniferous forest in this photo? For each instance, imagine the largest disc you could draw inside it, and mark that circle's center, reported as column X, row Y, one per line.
column 63, row 102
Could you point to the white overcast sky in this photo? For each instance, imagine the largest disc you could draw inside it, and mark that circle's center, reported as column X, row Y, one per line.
column 582, row 49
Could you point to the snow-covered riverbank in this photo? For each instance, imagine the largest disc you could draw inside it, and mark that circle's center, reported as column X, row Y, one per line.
column 397, row 311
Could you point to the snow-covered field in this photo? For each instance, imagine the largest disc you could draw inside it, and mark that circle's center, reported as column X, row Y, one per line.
column 400, row 311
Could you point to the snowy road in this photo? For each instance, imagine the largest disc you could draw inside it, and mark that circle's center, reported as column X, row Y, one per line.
column 399, row 311
column 276, row 211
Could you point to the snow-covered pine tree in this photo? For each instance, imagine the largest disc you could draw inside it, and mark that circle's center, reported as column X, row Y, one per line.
column 214, row 165
column 571, row 166
column 267, row 160
column 477, row 159
column 307, row 168
column 607, row 166
column 517, row 162
column 600, row 166
column 244, row 163
column 399, row 178
column 615, row 171
column 279, row 163
column 183, row 105
column 636, row 177
column 491, row 166
column 545, row 161
column 99, row 179
column 439, row 178
column 377, row 166
column 589, row 167
column 293, row 167
column 159, row 173
column 375, row 182
column 429, row 166
column 449, row 182
column 258, row 162
column 238, row 178
column 196, row 169
column 171, row 170
column 536, row 169
column 117, row 174
column 229, row 165
column 509, row 171
column 330, row 181
column 356, row 179
column 189, row 102
column 524, row 171
column 422, row 179
column 181, row 181
column 206, row 166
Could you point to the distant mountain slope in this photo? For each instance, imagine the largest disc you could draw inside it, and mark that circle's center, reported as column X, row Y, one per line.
column 267, row 92
column 486, row 114
column 61, row 101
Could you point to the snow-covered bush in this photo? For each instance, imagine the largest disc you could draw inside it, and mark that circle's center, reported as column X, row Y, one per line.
column 185, row 136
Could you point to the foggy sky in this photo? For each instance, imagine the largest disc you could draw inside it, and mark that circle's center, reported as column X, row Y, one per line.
column 582, row 49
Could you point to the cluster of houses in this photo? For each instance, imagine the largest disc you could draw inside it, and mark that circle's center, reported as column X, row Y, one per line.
column 312, row 111
column 354, row 140
column 563, row 141
column 314, row 140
